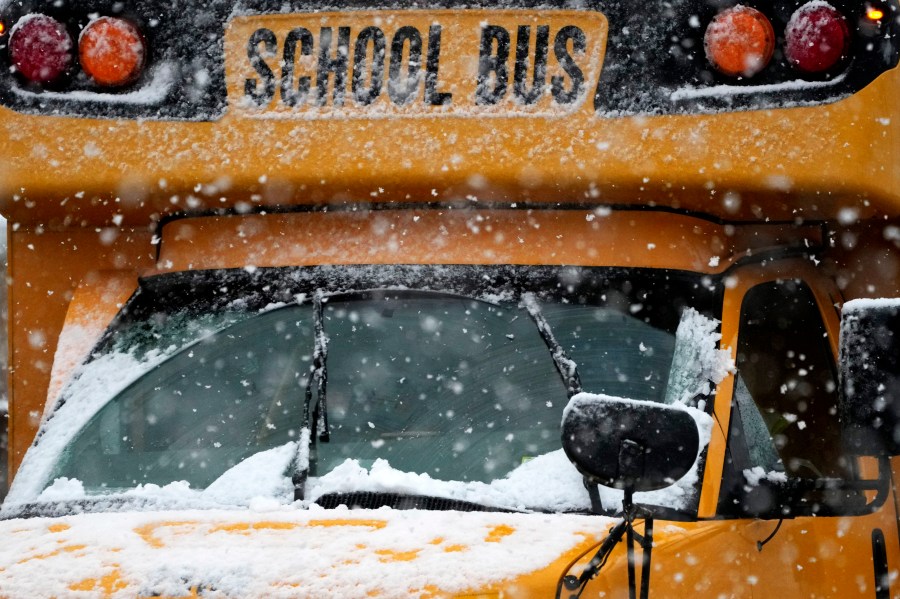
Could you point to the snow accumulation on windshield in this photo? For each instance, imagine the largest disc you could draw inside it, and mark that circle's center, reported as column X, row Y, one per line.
column 429, row 394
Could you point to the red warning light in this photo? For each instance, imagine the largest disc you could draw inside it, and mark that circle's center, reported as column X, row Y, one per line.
column 817, row 37
column 40, row 48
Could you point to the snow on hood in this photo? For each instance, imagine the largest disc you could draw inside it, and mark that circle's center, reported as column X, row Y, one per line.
column 282, row 553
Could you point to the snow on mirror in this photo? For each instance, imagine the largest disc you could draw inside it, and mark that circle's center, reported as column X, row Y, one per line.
column 437, row 394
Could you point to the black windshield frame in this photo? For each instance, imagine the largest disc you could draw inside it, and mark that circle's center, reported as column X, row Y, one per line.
column 203, row 291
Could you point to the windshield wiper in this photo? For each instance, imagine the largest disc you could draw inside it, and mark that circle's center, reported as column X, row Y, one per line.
column 315, row 413
column 567, row 367
column 320, row 369
column 105, row 503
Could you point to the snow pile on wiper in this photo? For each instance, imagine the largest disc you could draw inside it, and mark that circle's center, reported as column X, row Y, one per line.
column 548, row 482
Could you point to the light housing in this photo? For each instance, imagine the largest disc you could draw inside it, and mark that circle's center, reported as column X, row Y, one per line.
column 112, row 51
column 816, row 38
column 739, row 41
column 40, row 48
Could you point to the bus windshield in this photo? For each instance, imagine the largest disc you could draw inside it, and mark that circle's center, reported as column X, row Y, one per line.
column 449, row 385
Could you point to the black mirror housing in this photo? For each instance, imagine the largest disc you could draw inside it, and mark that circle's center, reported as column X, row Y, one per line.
column 628, row 444
column 870, row 377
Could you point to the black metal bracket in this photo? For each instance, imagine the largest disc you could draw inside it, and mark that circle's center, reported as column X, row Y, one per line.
column 624, row 528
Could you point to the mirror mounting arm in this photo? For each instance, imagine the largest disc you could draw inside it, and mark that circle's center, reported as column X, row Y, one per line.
column 594, row 495
column 624, row 528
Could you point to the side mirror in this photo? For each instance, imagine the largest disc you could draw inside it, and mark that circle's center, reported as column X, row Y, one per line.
column 628, row 444
column 870, row 376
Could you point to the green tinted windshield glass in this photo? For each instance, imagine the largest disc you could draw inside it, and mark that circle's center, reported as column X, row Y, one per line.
column 617, row 353
column 233, row 394
column 434, row 382
column 452, row 387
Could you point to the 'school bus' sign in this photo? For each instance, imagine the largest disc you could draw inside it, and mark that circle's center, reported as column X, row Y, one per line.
column 387, row 63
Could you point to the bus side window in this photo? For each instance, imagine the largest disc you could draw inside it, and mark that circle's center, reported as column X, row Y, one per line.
column 784, row 421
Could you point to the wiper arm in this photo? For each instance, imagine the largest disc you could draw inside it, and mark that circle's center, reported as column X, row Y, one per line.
column 320, row 368
column 315, row 413
column 564, row 364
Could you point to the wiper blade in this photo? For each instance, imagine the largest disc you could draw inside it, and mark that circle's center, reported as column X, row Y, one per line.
column 107, row 504
column 371, row 500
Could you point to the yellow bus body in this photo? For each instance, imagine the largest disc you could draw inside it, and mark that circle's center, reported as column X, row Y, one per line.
column 94, row 204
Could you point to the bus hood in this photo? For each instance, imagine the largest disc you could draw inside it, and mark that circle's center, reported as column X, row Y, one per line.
column 288, row 552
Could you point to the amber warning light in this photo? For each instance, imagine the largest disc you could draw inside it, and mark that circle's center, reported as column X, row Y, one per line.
column 739, row 41
column 111, row 51
column 875, row 14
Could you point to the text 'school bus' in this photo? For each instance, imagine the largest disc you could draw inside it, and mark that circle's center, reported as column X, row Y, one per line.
column 452, row 298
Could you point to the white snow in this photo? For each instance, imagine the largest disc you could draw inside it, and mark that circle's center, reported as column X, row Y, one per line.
column 547, row 482
column 63, row 489
column 754, row 475
column 75, row 343
column 870, row 303
column 260, row 476
column 724, row 91
column 92, row 386
column 154, row 91
column 698, row 364
column 286, row 552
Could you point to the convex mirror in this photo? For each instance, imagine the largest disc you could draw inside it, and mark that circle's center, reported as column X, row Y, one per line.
column 870, row 376
column 629, row 444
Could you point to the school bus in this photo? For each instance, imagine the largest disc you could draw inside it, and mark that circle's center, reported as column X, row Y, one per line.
column 301, row 293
